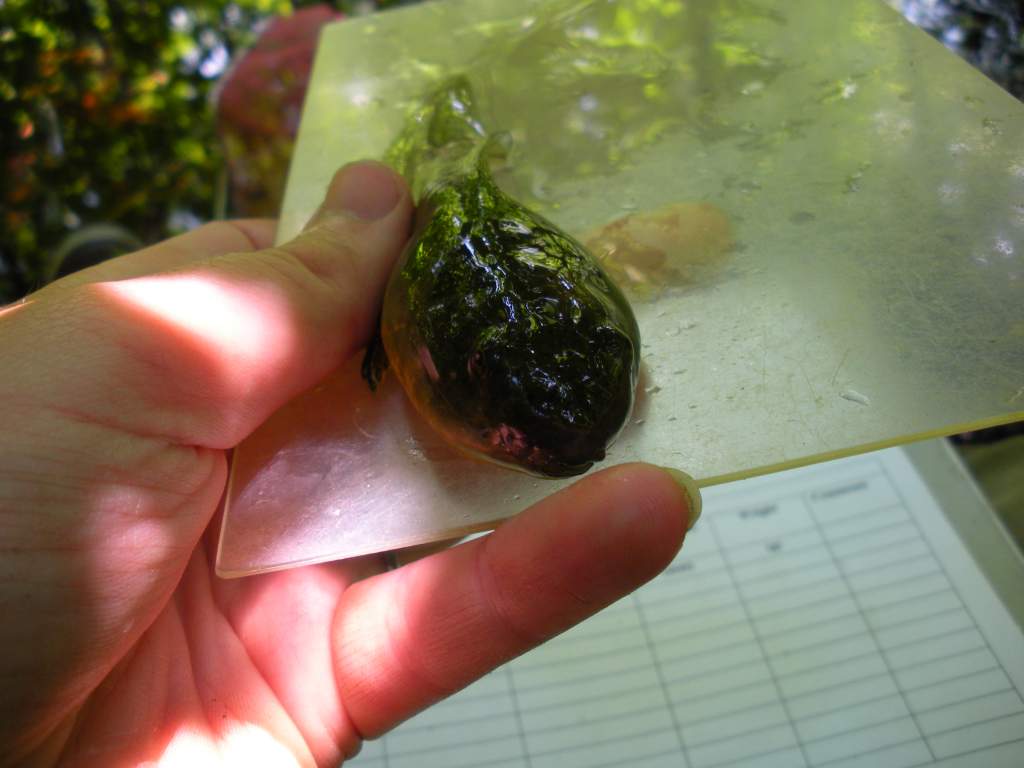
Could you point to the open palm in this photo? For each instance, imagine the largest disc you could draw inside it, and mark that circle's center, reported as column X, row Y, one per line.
column 118, row 645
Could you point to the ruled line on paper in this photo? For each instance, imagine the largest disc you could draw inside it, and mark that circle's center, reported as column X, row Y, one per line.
column 811, row 615
column 897, row 573
column 413, row 727
column 705, row 618
column 873, row 752
column 1004, row 702
column 781, row 584
column 578, row 700
column 813, row 660
column 946, row 659
column 689, row 726
column 784, row 565
column 635, row 758
column 851, row 719
column 971, row 700
column 728, row 751
column 567, row 675
column 867, row 523
column 784, row 757
column 893, row 614
column 599, row 742
column 907, row 559
column 741, row 734
column 478, row 736
column 740, row 659
column 804, row 606
column 825, row 711
column 869, row 541
column 597, row 655
column 880, row 556
column 914, row 588
column 544, row 671
column 992, row 731
column 863, row 652
column 934, row 672
column 590, row 722
column 961, row 639
column 764, row 551
column 843, row 745
column 752, row 719
column 739, row 626
column 676, row 630
column 762, row 540
column 697, row 597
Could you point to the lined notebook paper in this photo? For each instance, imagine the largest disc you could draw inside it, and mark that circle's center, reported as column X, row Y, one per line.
column 826, row 616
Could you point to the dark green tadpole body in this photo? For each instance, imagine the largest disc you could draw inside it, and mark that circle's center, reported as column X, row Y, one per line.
column 503, row 330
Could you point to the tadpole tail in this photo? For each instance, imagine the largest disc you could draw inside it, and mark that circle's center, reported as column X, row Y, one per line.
column 439, row 136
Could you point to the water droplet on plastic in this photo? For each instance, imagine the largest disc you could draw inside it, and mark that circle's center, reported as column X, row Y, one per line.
column 855, row 397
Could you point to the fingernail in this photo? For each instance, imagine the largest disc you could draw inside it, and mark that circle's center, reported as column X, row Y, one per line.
column 689, row 486
column 366, row 190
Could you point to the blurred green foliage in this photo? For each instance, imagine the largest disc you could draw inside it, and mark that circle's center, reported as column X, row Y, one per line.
column 106, row 116
column 106, row 111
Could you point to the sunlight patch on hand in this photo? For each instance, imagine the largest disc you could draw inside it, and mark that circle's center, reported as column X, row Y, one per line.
column 239, row 744
column 249, row 744
column 238, row 321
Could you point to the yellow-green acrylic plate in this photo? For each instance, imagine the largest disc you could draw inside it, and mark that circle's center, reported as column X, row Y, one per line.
column 871, row 186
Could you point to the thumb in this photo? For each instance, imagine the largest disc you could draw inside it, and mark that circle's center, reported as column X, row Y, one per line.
column 204, row 353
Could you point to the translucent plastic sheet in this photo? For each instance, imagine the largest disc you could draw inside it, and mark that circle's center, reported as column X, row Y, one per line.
column 817, row 212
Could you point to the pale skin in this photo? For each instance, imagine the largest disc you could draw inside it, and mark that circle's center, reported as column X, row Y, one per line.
column 122, row 389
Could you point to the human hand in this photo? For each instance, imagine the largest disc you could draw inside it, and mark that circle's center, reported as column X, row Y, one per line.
column 122, row 388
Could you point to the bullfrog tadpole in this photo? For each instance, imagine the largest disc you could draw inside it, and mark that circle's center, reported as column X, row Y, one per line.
column 505, row 333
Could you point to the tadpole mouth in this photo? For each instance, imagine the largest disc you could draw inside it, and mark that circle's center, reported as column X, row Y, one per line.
column 555, row 469
column 572, row 455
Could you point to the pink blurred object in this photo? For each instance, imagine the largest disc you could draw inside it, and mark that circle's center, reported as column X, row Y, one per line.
column 258, row 106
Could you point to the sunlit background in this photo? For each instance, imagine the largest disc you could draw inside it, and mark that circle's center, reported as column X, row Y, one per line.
column 125, row 122
column 117, row 117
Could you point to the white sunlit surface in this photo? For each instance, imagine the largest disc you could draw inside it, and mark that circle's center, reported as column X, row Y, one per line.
column 871, row 186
